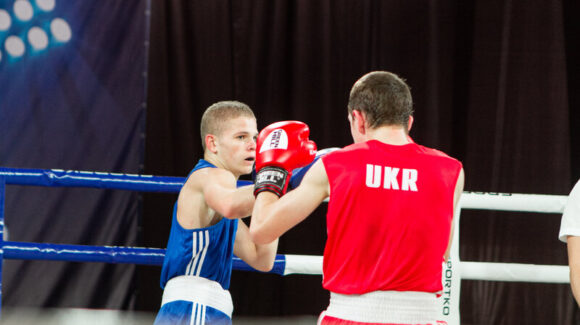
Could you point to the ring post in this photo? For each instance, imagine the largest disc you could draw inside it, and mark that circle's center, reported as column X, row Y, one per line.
column 449, row 300
column 2, row 194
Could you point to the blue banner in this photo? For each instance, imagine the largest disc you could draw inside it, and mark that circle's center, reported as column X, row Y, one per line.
column 72, row 97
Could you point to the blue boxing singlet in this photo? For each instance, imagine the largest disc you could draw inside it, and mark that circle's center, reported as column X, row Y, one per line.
column 203, row 252
column 196, row 272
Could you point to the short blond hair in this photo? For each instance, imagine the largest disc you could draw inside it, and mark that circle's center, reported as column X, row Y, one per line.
column 213, row 118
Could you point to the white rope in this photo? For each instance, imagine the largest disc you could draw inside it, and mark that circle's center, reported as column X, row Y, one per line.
column 514, row 272
column 303, row 264
column 514, row 202
column 541, row 203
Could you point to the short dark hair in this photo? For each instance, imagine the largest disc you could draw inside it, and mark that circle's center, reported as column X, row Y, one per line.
column 383, row 97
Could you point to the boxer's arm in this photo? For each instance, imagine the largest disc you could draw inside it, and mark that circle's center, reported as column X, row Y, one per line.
column 221, row 194
column 260, row 257
column 298, row 173
column 273, row 216
column 574, row 262
column 456, row 197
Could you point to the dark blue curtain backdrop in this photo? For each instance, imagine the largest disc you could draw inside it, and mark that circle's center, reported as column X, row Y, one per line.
column 74, row 105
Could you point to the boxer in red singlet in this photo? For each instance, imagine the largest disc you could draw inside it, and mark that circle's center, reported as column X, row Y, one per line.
column 390, row 212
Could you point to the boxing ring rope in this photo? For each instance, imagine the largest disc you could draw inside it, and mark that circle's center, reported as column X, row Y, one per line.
column 284, row 264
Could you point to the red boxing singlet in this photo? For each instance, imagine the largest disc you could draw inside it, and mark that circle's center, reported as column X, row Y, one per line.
column 389, row 217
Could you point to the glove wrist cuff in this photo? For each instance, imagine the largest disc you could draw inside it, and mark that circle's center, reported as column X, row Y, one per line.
column 272, row 179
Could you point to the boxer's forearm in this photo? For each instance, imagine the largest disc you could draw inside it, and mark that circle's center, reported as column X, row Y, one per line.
column 574, row 262
column 261, row 224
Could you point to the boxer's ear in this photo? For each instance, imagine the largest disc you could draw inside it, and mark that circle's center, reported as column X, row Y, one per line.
column 410, row 123
column 359, row 121
column 211, row 143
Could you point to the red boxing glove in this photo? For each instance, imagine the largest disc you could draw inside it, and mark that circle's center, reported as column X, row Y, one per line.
column 281, row 147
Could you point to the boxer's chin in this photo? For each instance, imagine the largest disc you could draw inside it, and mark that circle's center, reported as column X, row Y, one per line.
column 246, row 170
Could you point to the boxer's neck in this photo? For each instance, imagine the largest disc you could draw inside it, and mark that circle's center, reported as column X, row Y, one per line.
column 393, row 135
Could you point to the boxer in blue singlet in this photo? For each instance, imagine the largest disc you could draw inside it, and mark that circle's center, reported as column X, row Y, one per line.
column 205, row 232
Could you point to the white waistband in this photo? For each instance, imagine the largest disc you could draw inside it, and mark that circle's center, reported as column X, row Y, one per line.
column 399, row 307
column 198, row 290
